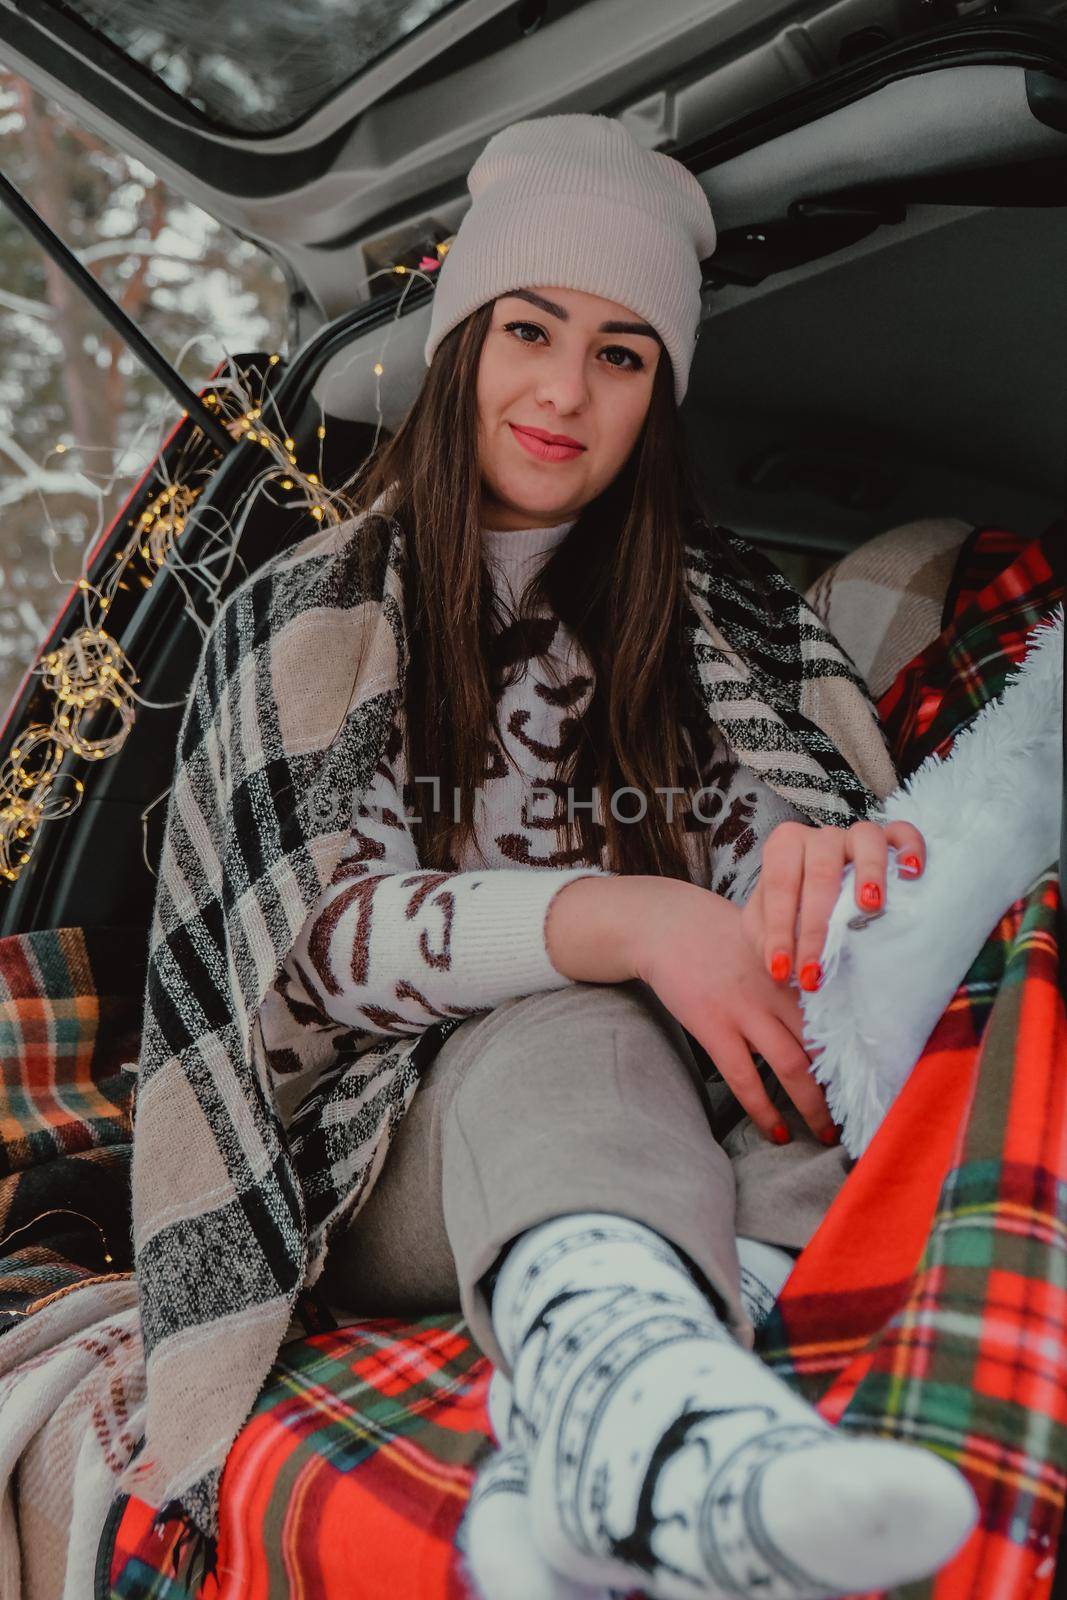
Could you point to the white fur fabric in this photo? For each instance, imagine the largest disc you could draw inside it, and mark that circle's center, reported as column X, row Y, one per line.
column 990, row 815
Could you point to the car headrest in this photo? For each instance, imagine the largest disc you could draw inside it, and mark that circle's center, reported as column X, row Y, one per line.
column 349, row 387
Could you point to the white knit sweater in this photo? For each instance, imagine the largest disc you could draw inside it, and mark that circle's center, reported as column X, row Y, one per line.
column 390, row 946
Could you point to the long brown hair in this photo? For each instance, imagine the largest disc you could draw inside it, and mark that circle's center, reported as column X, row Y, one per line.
column 616, row 581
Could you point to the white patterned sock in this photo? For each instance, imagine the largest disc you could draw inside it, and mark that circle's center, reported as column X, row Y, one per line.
column 764, row 1270
column 503, row 1561
column 498, row 1404
column 663, row 1455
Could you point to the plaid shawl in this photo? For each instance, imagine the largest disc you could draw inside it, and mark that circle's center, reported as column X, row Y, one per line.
column 929, row 1305
column 232, row 1209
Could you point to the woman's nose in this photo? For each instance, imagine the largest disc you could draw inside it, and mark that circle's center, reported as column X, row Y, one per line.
column 564, row 385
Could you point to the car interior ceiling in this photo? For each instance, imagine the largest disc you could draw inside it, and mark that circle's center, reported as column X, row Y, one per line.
column 917, row 371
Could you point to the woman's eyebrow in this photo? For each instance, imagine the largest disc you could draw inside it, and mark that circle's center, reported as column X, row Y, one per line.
column 564, row 316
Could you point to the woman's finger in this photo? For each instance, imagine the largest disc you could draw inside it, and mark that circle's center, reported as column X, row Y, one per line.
column 734, row 1060
column 791, row 1065
column 866, row 844
column 779, row 888
column 824, row 861
column 910, row 847
column 785, row 1005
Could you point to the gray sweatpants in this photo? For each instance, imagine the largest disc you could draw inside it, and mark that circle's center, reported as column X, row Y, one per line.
column 587, row 1098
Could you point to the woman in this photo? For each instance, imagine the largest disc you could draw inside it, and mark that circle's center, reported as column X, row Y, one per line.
column 557, row 1176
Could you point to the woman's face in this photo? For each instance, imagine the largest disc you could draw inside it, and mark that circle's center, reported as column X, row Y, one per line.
column 561, row 362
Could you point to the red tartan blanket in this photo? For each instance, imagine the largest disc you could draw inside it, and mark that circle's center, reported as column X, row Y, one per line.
column 929, row 1306
column 949, row 1327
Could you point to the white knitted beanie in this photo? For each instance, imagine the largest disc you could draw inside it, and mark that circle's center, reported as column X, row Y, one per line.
column 573, row 201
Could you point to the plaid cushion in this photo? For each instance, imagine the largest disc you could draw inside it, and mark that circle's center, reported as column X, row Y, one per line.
column 948, row 1326
column 884, row 600
column 944, row 686
column 70, row 1013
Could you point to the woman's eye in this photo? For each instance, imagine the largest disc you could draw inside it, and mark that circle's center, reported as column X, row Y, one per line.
column 636, row 364
column 530, row 327
column 621, row 350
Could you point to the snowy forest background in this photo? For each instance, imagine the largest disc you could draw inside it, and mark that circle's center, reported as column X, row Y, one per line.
column 66, row 378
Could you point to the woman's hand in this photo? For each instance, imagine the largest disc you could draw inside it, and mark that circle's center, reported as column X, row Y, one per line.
column 788, row 912
column 688, row 945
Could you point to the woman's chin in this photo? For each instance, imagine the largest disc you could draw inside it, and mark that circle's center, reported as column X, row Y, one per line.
column 528, row 510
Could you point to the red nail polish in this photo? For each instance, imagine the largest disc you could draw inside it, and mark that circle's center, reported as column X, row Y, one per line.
column 780, row 966
column 810, row 976
column 910, row 865
column 870, row 897
column 780, row 1133
column 831, row 1136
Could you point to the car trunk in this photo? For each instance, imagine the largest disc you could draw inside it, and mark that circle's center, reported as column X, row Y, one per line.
column 881, row 342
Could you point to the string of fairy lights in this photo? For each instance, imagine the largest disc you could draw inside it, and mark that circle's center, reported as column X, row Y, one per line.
column 89, row 671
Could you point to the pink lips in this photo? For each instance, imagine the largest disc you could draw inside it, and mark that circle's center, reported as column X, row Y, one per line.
column 541, row 447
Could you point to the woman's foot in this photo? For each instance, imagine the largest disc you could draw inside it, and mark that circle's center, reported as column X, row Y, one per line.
column 502, row 1559
column 666, row 1457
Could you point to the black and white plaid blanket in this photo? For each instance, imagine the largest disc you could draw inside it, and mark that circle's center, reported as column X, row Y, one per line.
column 232, row 1203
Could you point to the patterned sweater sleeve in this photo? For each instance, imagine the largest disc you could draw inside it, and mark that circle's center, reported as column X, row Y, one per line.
column 390, row 947
column 745, row 811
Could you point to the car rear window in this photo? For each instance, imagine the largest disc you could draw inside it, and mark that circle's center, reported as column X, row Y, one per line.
column 255, row 66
